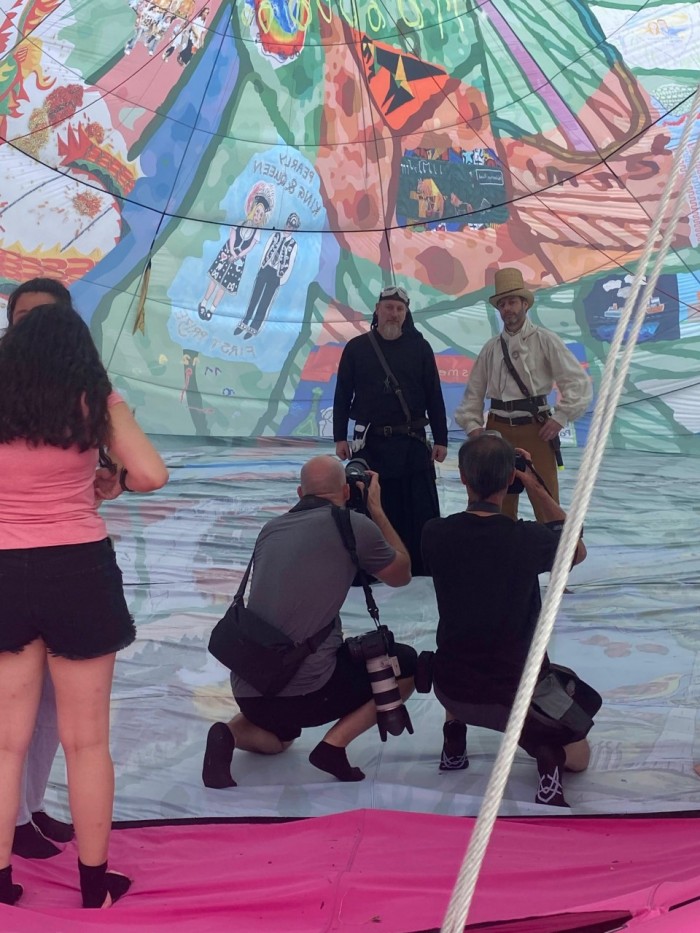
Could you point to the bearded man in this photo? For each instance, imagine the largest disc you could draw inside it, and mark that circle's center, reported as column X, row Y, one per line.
column 388, row 384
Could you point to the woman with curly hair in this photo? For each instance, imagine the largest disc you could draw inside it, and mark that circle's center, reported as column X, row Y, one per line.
column 63, row 602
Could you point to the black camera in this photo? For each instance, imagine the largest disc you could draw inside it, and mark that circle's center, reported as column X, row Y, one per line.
column 356, row 471
column 375, row 648
column 520, row 463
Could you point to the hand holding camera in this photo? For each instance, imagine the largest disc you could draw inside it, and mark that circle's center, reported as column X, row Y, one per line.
column 522, row 463
column 526, row 476
column 365, row 492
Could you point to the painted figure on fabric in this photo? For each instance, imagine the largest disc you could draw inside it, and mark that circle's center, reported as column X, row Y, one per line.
column 516, row 371
column 226, row 271
column 391, row 413
column 275, row 269
column 194, row 38
column 148, row 16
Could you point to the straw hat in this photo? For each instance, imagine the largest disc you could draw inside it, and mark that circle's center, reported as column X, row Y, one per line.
column 510, row 282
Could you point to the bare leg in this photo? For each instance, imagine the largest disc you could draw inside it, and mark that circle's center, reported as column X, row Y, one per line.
column 82, row 699
column 207, row 294
column 361, row 719
column 224, row 738
column 251, row 738
column 42, row 749
column 21, row 677
column 330, row 756
column 218, row 295
column 578, row 754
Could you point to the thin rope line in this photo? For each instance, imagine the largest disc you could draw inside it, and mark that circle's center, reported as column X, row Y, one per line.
column 610, row 390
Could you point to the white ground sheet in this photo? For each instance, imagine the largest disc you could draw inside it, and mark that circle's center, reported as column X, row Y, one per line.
column 630, row 627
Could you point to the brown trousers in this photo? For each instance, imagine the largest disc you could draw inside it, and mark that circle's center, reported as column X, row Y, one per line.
column 527, row 437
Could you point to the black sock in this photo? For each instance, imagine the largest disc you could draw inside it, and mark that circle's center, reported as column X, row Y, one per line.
column 454, row 746
column 334, row 761
column 9, row 893
column 96, row 883
column 550, row 765
column 216, row 769
column 28, row 842
column 51, row 828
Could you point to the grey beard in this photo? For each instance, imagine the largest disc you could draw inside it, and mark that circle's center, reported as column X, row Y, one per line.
column 389, row 331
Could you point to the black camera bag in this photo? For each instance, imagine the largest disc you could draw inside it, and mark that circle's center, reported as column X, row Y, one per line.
column 258, row 652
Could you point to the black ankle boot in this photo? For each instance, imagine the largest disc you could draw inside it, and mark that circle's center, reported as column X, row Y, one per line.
column 51, row 827
column 454, row 746
column 96, row 883
column 550, row 765
column 9, row 893
column 29, row 842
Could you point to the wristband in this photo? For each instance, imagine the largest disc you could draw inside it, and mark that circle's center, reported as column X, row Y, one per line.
column 122, row 479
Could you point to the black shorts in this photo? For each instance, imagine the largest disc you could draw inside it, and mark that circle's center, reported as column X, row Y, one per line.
column 70, row 595
column 538, row 729
column 347, row 690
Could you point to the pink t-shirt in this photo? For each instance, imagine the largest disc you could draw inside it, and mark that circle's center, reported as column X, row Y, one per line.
column 47, row 496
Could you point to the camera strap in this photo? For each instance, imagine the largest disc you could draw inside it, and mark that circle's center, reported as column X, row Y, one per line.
column 304, row 504
column 397, row 390
column 344, row 523
column 539, row 416
column 489, row 507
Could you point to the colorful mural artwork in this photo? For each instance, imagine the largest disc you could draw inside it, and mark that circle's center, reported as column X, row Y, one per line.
column 226, row 187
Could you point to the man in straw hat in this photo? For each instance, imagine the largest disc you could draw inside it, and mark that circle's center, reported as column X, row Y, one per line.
column 516, row 371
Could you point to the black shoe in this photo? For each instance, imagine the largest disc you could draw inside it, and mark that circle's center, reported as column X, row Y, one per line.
column 218, row 754
column 52, row 828
column 28, row 842
column 550, row 764
column 99, row 887
column 9, row 893
column 238, row 331
column 454, row 747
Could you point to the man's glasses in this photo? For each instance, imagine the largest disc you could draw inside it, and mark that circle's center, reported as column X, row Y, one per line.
column 394, row 291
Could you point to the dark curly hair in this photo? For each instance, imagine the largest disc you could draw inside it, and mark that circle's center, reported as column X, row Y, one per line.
column 54, row 386
column 33, row 286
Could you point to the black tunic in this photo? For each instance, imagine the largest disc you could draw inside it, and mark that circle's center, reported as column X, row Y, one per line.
column 404, row 463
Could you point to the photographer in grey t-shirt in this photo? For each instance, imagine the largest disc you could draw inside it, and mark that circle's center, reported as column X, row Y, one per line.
column 302, row 572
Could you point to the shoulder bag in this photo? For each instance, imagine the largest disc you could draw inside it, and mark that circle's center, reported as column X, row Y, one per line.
column 257, row 651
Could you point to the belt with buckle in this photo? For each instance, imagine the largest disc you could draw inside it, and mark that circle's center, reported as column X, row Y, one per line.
column 518, row 404
column 387, row 430
column 523, row 419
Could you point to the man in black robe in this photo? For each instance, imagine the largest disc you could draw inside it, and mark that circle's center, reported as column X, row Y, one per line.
column 388, row 435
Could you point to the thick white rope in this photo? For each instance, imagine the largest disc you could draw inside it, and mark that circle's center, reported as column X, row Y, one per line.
column 611, row 388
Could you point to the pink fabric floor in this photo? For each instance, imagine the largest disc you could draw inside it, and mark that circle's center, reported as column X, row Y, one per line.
column 377, row 870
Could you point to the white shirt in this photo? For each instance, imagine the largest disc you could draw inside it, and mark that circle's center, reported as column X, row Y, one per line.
column 541, row 359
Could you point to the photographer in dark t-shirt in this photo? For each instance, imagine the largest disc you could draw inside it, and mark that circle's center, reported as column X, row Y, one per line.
column 485, row 569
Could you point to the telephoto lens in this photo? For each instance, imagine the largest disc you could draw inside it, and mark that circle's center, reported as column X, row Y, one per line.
column 373, row 648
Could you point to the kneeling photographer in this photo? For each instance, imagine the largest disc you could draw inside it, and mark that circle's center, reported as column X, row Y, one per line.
column 485, row 568
column 304, row 563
